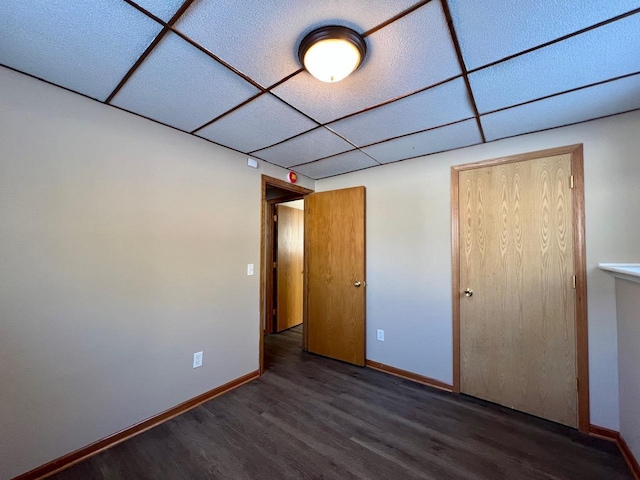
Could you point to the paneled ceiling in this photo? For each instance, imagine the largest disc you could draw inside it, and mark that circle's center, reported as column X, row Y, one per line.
column 439, row 74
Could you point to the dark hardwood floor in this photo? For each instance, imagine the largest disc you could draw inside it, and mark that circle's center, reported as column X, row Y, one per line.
column 310, row 417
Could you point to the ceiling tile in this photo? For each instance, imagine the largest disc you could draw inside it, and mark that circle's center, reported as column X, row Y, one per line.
column 163, row 9
column 343, row 163
column 260, row 38
column 85, row 46
column 593, row 102
column 262, row 122
column 438, row 140
column 434, row 107
column 600, row 54
column 495, row 29
column 305, row 148
column 411, row 53
column 179, row 85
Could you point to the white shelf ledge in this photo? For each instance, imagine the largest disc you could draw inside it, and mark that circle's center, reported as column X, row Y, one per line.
column 627, row 271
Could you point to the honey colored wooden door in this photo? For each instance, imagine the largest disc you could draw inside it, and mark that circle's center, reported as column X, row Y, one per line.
column 335, row 242
column 290, row 264
column 517, row 329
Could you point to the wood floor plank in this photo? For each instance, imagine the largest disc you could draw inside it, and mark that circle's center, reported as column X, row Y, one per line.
column 309, row 417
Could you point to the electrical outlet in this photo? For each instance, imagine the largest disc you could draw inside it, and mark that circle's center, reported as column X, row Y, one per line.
column 197, row 359
column 249, row 269
column 380, row 335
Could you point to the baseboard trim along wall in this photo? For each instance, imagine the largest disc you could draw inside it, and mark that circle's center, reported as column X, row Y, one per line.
column 72, row 458
column 414, row 377
column 615, row 437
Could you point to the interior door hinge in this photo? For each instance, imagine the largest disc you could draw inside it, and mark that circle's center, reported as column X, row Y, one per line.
column 275, row 217
column 274, row 311
column 571, row 181
column 574, row 281
column 577, row 384
column 275, row 264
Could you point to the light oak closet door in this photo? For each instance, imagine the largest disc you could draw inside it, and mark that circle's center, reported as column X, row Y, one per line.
column 290, row 265
column 335, row 232
column 517, row 329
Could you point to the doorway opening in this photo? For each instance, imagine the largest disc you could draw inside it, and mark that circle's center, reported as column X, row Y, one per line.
column 281, row 258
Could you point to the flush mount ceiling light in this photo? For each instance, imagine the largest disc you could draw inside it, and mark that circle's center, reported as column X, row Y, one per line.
column 332, row 53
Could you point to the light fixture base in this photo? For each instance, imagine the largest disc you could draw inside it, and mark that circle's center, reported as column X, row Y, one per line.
column 353, row 41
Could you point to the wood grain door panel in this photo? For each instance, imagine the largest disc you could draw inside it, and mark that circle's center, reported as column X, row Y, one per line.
column 518, row 331
column 290, row 264
column 335, row 242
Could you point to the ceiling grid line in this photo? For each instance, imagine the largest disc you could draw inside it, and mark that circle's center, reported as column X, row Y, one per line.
column 218, row 59
column 170, row 26
column 286, row 139
column 465, row 74
column 152, row 45
column 417, row 132
column 135, row 66
column 364, row 110
column 388, row 140
column 395, row 99
column 564, row 92
column 222, row 115
column 326, row 158
column 400, row 15
column 556, row 40
column 563, row 125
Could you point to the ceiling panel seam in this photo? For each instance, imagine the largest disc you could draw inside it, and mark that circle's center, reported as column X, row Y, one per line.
column 165, row 28
column 350, row 171
column 170, row 26
column 416, row 132
column 393, row 100
column 465, row 74
column 149, row 14
column 433, row 153
column 388, row 140
column 288, row 77
column 557, row 40
column 328, row 157
column 218, row 59
column 564, row 125
column 138, row 62
column 373, row 107
column 349, row 142
column 287, row 139
column 222, row 115
column 571, row 90
column 400, row 15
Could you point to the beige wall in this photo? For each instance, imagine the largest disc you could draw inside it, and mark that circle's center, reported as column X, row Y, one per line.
column 123, row 250
column 628, row 309
column 409, row 249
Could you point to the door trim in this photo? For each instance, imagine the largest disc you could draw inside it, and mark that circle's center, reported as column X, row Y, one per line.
column 294, row 189
column 580, row 268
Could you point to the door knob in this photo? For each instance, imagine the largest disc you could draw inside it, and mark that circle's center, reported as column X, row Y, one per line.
column 468, row 293
column 357, row 284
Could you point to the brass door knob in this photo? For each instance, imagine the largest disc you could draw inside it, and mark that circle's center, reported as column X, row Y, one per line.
column 468, row 293
column 357, row 284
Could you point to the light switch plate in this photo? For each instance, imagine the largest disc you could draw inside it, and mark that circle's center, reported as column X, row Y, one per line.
column 380, row 335
column 249, row 269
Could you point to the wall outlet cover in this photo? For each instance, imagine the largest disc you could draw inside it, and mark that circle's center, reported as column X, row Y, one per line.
column 197, row 359
column 380, row 335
